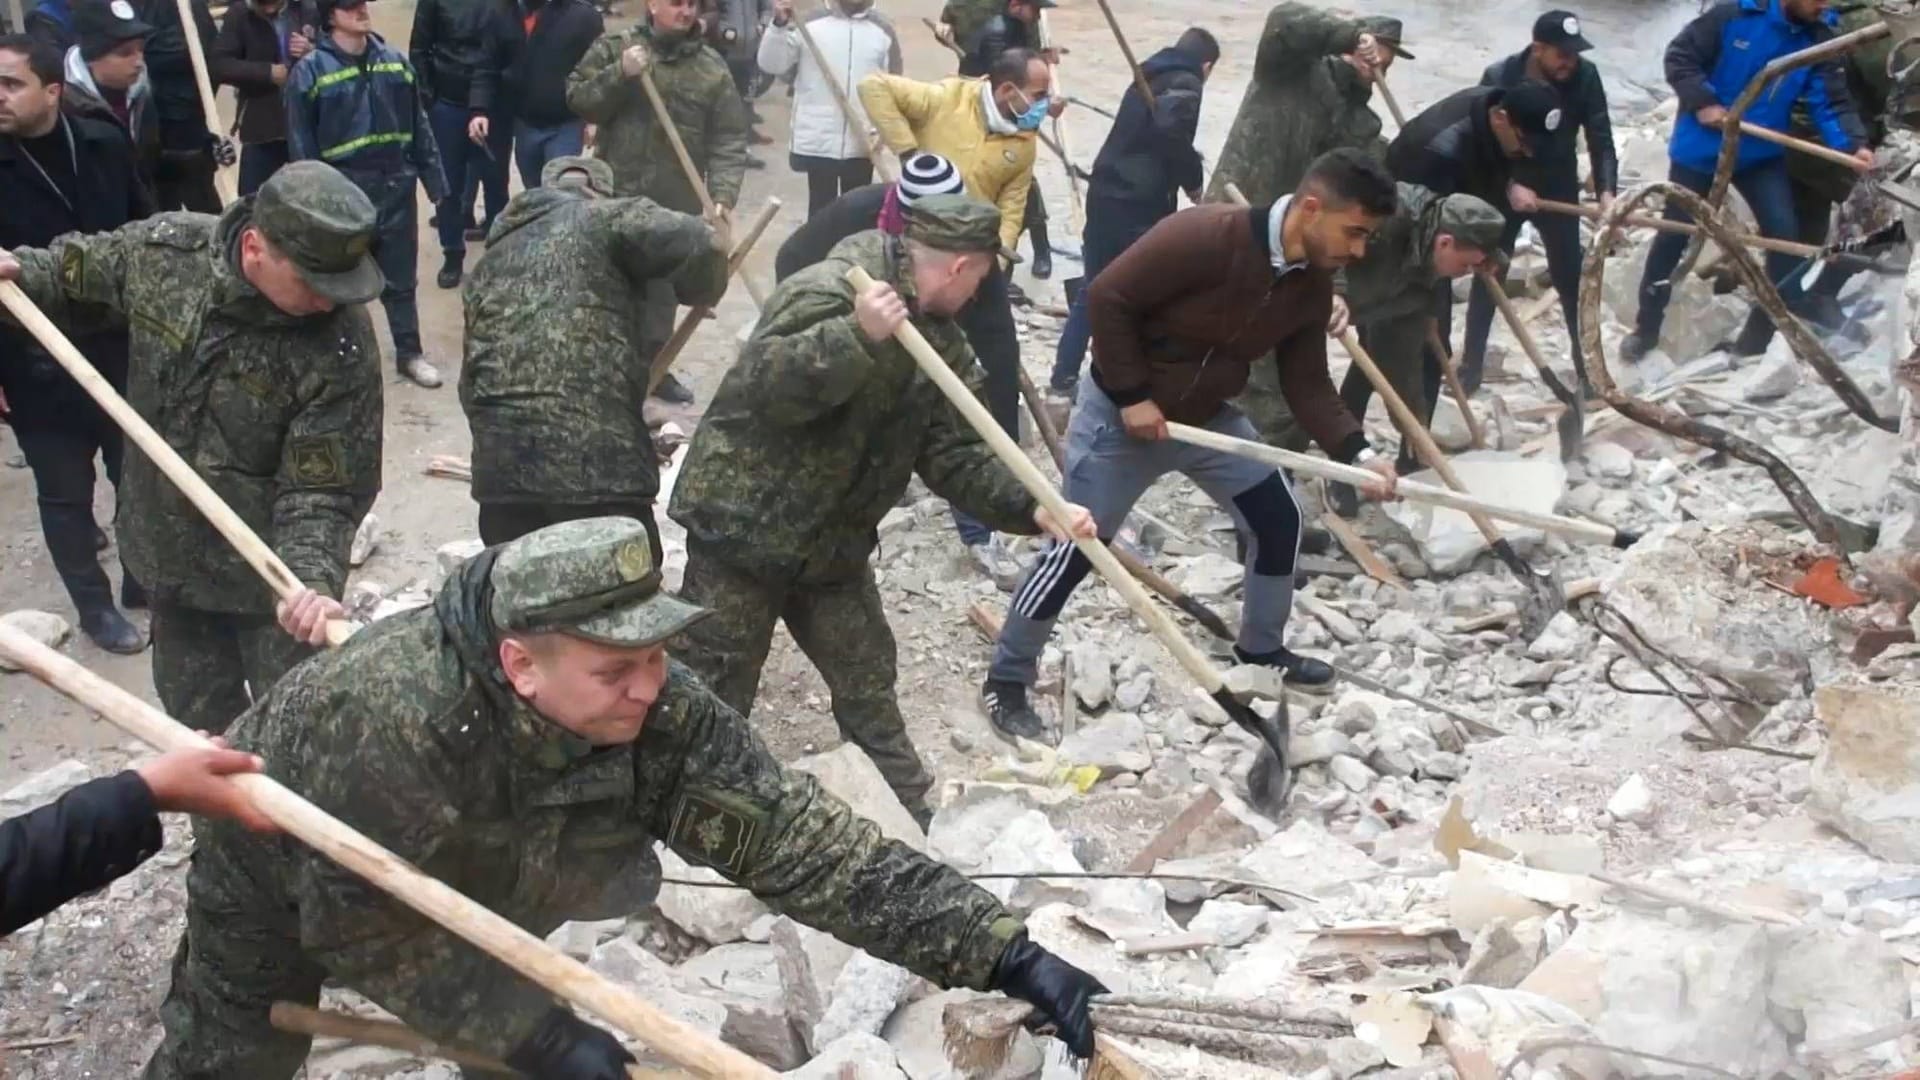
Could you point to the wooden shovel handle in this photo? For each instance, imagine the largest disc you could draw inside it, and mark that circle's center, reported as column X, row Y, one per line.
column 190, row 29
column 244, row 540
column 663, row 360
column 561, row 975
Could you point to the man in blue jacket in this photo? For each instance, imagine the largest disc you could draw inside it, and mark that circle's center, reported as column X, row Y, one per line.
column 1147, row 160
column 1708, row 65
column 354, row 103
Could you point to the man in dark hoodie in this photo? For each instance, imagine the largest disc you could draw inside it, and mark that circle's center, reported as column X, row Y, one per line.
column 106, row 76
column 525, row 82
column 1147, row 160
column 189, row 150
column 453, row 42
column 1553, row 58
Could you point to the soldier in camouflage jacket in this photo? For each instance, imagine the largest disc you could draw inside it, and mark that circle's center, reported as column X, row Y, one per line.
column 706, row 109
column 252, row 355
column 810, row 440
column 1309, row 94
column 550, row 384
column 481, row 739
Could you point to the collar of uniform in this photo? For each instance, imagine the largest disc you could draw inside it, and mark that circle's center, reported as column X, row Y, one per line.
column 539, row 740
column 997, row 122
column 1276, row 245
column 900, row 273
column 668, row 50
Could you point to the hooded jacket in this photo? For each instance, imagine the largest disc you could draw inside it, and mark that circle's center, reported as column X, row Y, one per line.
column 452, row 41
column 243, row 56
column 949, row 119
column 362, row 115
column 1149, row 156
column 549, row 382
column 1302, row 101
column 1714, row 57
column 855, row 46
column 1583, row 107
column 82, row 98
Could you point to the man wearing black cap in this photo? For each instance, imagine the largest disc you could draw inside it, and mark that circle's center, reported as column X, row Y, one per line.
column 252, row 356
column 107, row 78
column 64, row 174
column 1553, row 58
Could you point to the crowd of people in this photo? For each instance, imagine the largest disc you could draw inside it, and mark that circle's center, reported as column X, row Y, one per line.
column 526, row 737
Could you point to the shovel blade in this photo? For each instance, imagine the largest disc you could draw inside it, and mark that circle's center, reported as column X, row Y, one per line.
column 1573, row 428
column 1270, row 780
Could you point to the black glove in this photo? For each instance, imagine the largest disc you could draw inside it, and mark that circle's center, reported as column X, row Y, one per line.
column 222, row 148
column 565, row 1047
column 1050, row 984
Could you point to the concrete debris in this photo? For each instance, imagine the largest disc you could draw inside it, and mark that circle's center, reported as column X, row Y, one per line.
column 1563, row 637
column 1505, row 952
column 451, row 555
column 624, row 961
column 42, row 626
column 366, row 539
column 855, row 1057
column 1231, row 924
column 1773, row 378
column 1448, row 540
column 1632, row 801
column 918, row 1036
column 745, row 979
column 1501, row 1024
column 1209, row 577
column 864, row 995
column 1609, row 459
column 809, row 963
column 1866, row 779
column 44, row 786
column 1092, row 674
column 1115, row 743
column 1449, row 426
column 717, row 916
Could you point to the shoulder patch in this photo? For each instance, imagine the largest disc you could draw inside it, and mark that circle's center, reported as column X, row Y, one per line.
column 318, row 461
column 73, row 268
column 712, row 830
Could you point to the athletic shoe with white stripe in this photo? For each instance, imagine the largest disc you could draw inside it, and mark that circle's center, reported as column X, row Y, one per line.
column 1005, row 704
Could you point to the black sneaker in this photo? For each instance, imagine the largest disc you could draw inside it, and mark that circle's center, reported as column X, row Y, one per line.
column 111, row 631
column 450, row 271
column 133, row 595
column 1005, row 704
column 673, row 391
column 1303, row 673
column 1345, row 499
column 1042, row 266
column 1634, row 346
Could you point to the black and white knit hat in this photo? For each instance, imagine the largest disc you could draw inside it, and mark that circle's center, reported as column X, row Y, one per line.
column 924, row 174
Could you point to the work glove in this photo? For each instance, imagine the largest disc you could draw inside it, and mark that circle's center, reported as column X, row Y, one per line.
column 1059, row 990
column 565, row 1047
column 224, row 152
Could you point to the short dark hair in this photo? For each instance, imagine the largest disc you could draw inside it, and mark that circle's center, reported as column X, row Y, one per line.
column 1011, row 67
column 1348, row 177
column 44, row 59
column 1198, row 44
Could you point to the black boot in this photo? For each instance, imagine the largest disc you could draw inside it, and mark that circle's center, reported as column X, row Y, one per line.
column 451, row 270
column 1005, row 704
column 1042, row 267
column 1303, row 673
column 1753, row 337
column 673, row 391
column 133, row 595
column 111, row 631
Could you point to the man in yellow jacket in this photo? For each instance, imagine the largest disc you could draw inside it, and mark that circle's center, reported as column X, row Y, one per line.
column 986, row 127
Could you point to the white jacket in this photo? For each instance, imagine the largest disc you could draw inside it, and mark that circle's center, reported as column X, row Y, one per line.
column 855, row 47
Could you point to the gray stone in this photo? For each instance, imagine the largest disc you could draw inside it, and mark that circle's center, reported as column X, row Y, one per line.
column 1357, row 712
column 855, row 1057
column 1774, row 377
column 808, row 962
column 1505, row 952
column 1209, row 577
column 1092, row 674
column 1395, row 626
column 1115, row 743
column 579, row 939
column 865, row 993
column 1132, row 695
column 452, row 554
column 715, row 916
column 1563, row 637
column 1632, row 801
column 1351, row 772
column 1449, row 426
column 1232, row 924
column 1866, row 779
column 42, row 626
column 624, row 961
column 1314, row 747
column 45, row 786
column 1609, row 459
column 1247, row 682
column 849, row 773
column 1842, row 983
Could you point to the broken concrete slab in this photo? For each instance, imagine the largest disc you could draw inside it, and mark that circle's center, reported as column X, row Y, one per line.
column 624, row 961
column 808, row 962
column 917, row 1034
column 1209, row 577
column 865, row 994
column 1505, row 952
column 717, row 916
column 849, row 773
column 45, row 786
column 1230, row 923
column 1115, row 743
column 1448, row 540
column 1306, row 858
column 745, row 979
column 1866, row 779
column 853, row 1057
column 42, row 626
column 1842, row 983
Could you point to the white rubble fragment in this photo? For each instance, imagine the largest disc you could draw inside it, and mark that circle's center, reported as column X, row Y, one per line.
column 1448, row 539
column 1132, row 695
column 366, row 539
column 624, row 961
column 715, row 916
column 1249, row 681
column 809, row 962
column 1351, row 772
column 1610, row 459
column 1314, row 747
column 865, row 993
column 45, row 786
column 1307, row 858
column 1268, row 969
column 1564, row 636
column 854, row 1057
column 579, row 939
column 1449, row 426
column 1866, row 779
column 452, row 554
column 1632, row 800
column 850, row 774
column 1842, row 984
column 1505, row 952
column 745, row 980
column 1774, row 377
column 1230, row 923
column 1209, row 577
column 42, row 626
column 1092, row 673
column 1115, row 743
column 917, row 1034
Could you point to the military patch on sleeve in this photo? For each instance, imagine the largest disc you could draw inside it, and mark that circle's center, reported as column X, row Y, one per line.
column 713, row 832
column 73, row 269
column 318, row 461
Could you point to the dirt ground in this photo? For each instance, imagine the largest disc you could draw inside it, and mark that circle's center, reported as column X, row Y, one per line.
column 97, row 970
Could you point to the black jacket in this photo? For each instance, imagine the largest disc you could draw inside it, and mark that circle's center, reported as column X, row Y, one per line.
column 1450, row 148
column 110, row 193
column 856, row 211
column 1002, row 32
column 525, row 76
column 1149, row 156
column 93, row 834
column 452, row 41
column 243, row 57
column 1583, row 104
column 175, row 93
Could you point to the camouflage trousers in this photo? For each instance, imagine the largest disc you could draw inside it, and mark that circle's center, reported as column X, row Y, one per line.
column 206, row 662
column 842, row 628
column 1398, row 348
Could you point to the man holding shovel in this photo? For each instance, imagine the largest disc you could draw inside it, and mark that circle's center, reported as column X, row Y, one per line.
column 810, row 441
column 1177, row 321
column 606, row 90
column 251, row 354
column 548, row 384
column 527, row 740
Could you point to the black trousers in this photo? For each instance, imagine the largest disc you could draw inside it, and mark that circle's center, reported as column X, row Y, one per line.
column 501, row 521
column 183, row 179
column 61, row 457
column 830, row 178
column 1560, row 234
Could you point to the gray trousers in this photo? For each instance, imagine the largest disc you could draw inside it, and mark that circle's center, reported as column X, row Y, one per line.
column 1107, row 472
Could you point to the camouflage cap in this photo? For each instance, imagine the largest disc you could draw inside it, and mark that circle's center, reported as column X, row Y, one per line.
column 1388, row 32
column 954, row 223
column 324, row 223
column 1472, row 221
column 592, row 579
column 599, row 173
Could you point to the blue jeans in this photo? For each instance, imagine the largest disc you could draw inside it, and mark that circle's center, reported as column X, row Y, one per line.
column 465, row 166
column 259, row 161
column 533, row 147
column 1112, row 227
column 1769, row 194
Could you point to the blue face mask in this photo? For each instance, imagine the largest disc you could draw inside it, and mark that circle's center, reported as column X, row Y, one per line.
column 1035, row 115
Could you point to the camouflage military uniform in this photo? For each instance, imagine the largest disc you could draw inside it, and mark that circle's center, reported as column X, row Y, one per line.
column 707, row 111
column 550, row 384
column 411, row 734
column 1390, row 294
column 279, row 414
column 809, row 442
column 1302, row 101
